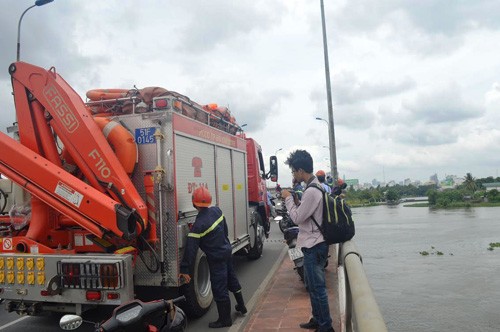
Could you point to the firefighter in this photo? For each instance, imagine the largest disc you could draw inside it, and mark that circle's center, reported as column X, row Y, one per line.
column 321, row 178
column 297, row 187
column 210, row 234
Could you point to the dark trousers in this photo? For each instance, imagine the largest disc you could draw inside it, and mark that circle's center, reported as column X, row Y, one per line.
column 223, row 278
column 314, row 277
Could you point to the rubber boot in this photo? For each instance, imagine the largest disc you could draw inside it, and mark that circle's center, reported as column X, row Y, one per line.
column 224, row 309
column 240, row 304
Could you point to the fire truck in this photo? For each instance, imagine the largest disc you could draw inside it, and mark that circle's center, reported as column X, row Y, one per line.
column 95, row 196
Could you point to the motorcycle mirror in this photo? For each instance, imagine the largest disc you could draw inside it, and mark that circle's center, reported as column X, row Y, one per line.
column 273, row 166
column 70, row 322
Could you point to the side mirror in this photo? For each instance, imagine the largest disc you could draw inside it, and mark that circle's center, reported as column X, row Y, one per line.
column 273, row 168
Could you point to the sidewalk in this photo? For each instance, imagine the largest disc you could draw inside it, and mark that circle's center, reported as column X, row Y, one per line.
column 284, row 303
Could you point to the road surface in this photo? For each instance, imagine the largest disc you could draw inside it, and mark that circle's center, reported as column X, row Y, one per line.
column 252, row 275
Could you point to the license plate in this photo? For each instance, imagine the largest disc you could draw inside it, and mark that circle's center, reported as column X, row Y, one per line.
column 295, row 253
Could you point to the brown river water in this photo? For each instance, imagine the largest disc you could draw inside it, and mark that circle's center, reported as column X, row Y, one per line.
column 456, row 291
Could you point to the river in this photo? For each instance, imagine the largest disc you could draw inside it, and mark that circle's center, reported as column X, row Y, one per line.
column 456, row 291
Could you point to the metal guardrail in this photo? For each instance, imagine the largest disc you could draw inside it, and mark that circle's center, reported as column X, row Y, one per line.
column 358, row 309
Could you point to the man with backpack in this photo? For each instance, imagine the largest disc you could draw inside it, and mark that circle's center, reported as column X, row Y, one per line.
column 310, row 239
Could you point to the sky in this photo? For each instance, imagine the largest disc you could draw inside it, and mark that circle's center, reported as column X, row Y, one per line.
column 415, row 84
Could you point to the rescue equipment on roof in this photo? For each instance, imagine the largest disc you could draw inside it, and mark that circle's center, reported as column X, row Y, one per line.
column 106, row 94
column 109, row 102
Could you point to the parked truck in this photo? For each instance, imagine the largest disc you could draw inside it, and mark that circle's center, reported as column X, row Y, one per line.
column 98, row 194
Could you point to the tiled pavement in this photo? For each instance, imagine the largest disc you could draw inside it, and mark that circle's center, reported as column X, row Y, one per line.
column 285, row 304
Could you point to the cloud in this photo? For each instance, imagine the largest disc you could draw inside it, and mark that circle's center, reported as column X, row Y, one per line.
column 207, row 25
column 424, row 27
column 349, row 89
column 424, row 135
column 46, row 36
column 250, row 107
column 354, row 116
column 414, row 83
column 493, row 95
column 445, row 105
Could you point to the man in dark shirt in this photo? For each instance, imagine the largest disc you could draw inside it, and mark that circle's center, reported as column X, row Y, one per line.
column 297, row 188
column 210, row 234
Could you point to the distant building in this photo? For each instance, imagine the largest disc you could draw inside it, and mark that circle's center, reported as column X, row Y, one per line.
column 491, row 186
column 451, row 181
column 434, row 179
column 354, row 183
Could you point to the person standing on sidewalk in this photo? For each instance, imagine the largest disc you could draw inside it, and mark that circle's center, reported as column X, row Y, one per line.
column 310, row 239
column 321, row 178
column 297, row 187
column 210, row 234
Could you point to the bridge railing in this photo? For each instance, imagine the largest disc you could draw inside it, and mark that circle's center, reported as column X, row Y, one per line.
column 358, row 310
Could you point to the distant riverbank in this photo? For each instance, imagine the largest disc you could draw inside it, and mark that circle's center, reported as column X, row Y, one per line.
column 455, row 205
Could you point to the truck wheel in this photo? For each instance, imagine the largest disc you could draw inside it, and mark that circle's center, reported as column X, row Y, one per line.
column 258, row 232
column 198, row 292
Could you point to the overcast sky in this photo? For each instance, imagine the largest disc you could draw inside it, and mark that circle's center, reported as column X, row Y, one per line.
column 415, row 84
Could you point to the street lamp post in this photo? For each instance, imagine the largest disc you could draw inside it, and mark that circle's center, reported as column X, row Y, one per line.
column 326, row 121
column 278, row 151
column 240, row 128
column 331, row 147
column 331, row 130
column 37, row 3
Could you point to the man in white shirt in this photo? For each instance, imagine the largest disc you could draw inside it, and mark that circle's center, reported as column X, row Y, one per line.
column 310, row 239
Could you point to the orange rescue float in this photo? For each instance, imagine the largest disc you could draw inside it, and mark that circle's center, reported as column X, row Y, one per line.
column 122, row 142
column 106, row 94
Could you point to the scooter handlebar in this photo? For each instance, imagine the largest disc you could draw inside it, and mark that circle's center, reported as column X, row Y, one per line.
column 134, row 315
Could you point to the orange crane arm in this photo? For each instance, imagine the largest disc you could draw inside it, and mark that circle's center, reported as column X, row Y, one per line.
column 64, row 192
column 47, row 105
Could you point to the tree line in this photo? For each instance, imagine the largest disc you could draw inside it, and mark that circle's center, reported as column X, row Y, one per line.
column 469, row 192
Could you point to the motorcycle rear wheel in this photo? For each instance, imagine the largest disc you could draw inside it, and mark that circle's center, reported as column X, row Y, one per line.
column 300, row 272
column 283, row 224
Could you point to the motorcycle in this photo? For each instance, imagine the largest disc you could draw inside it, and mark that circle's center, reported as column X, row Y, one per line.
column 294, row 253
column 290, row 233
column 136, row 316
column 283, row 218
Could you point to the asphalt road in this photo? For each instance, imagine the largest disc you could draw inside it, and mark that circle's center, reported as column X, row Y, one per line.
column 252, row 275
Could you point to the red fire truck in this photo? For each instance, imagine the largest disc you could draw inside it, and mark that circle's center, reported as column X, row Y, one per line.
column 98, row 194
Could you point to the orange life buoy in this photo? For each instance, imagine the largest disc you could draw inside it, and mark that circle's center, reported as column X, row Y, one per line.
column 105, row 94
column 122, row 142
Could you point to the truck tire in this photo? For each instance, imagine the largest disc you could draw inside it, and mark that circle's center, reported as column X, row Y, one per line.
column 198, row 292
column 257, row 228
